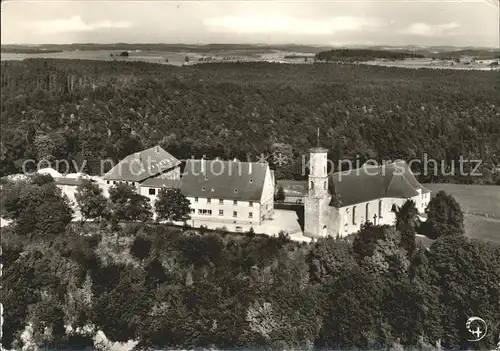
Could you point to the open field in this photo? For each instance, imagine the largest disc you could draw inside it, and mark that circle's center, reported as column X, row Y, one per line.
column 481, row 206
column 267, row 54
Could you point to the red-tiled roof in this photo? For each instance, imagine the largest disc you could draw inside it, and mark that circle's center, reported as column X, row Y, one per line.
column 142, row 165
column 237, row 180
column 367, row 183
column 161, row 182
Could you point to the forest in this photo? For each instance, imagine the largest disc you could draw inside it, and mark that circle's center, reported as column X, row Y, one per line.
column 359, row 55
column 87, row 111
column 171, row 288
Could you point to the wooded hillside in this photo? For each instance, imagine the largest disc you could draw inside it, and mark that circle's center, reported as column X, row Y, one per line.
column 91, row 110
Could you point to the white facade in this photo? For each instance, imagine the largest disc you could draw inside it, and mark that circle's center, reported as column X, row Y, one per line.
column 238, row 212
column 352, row 217
column 225, row 211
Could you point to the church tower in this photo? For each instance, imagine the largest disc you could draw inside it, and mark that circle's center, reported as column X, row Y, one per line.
column 316, row 207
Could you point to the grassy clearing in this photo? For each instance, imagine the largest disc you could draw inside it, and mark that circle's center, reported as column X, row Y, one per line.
column 481, row 206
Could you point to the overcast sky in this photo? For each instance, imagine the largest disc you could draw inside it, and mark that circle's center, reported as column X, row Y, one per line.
column 369, row 22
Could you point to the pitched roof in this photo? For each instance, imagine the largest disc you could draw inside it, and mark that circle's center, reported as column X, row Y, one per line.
column 141, row 165
column 242, row 181
column 161, row 182
column 373, row 182
column 68, row 181
column 294, row 187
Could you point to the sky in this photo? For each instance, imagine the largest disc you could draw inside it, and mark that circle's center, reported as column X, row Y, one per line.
column 313, row 22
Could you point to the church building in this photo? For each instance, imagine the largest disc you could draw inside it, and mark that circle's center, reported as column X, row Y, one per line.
column 338, row 204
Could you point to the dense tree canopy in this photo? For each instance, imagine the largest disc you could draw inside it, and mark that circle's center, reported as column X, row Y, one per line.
column 91, row 201
column 87, row 111
column 166, row 288
column 128, row 205
column 37, row 207
column 445, row 217
column 172, row 205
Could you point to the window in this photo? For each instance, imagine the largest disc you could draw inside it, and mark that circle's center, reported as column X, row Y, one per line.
column 354, row 215
column 209, row 212
column 152, row 191
column 114, row 182
column 235, row 202
column 107, row 182
column 209, row 201
column 221, row 201
column 192, row 210
column 250, row 215
column 235, row 214
column 221, row 212
column 380, row 209
column 312, row 185
column 200, row 211
column 250, row 203
column 195, row 199
column 324, row 185
column 393, row 208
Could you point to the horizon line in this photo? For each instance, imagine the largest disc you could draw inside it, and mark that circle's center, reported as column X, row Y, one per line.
column 254, row 44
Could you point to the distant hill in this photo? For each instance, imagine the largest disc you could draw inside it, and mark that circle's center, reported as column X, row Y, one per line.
column 362, row 52
column 161, row 47
column 356, row 55
column 476, row 53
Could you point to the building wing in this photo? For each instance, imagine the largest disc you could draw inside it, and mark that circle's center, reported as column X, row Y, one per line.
column 243, row 181
column 142, row 165
column 394, row 180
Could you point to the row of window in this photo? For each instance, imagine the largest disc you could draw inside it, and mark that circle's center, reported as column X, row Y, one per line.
column 221, row 202
column 118, row 182
column 367, row 209
column 207, row 212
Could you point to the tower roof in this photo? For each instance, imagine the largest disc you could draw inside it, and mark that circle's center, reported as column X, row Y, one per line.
column 318, row 150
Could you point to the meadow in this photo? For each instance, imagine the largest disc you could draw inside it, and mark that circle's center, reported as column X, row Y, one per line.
column 481, row 206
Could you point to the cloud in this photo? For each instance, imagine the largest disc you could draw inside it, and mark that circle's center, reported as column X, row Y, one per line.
column 429, row 30
column 285, row 24
column 74, row 24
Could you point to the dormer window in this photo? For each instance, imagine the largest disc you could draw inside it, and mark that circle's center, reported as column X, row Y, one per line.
column 235, row 190
column 203, row 188
column 206, row 178
column 251, row 180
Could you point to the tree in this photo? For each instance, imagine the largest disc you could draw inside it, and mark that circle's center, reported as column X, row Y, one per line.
column 172, row 205
column 444, row 216
column 91, row 200
column 38, row 207
column 280, row 194
column 140, row 248
column 127, row 205
column 465, row 273
column 406, row 224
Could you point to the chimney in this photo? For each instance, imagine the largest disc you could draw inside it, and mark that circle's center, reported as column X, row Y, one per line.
column 203, row 164
column 250, row 168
